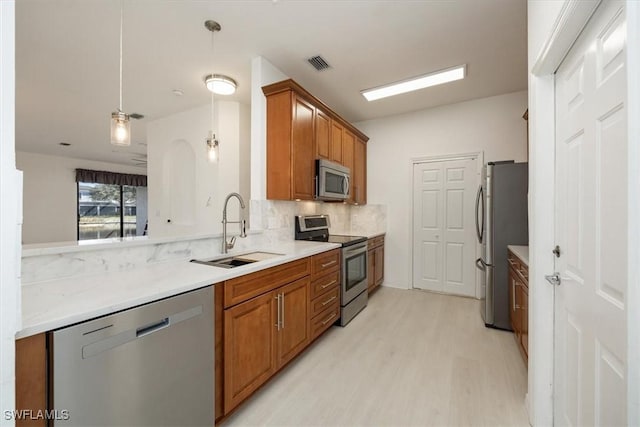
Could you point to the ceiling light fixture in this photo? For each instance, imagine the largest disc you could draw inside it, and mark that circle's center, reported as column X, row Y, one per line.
column 120, row 124
column 421, row 82
column 220, row 84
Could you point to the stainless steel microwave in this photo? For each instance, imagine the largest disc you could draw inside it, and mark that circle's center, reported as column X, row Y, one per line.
column 332, row 180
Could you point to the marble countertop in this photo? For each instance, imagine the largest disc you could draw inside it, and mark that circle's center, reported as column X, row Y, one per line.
column 54, row 304
column 521, row 252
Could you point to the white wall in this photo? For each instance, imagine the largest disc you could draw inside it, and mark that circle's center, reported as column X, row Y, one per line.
column 51, row 194
column 542, row 16
column 9, row 214
column 493, row 125
column 213, row 181
column 262, row 73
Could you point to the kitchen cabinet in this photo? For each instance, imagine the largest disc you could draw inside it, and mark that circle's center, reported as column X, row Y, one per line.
column 325, row 291
column 348, row 152
column 290, row 152
column 263, row 326
column 31, row 378
column 300, row 129
column 261, row 336
column 359, row 174
column 375, row 268
column 336, row 142
column 323, row 135
column 249, row 347
column 519, row 302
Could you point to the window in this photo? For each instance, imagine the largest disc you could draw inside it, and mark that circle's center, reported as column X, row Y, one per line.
column 107, row 210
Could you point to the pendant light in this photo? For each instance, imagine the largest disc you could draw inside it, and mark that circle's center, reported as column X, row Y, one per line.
column 213, row 145
column 120, row 124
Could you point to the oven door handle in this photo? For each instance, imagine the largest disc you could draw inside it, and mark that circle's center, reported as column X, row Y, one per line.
column 355, row 251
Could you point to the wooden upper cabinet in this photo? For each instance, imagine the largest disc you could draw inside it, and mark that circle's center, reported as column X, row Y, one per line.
column 348, row 153
column 301, row 129
column 323, row 135
column 359, row 174
column 303, row 158
column 336, row 142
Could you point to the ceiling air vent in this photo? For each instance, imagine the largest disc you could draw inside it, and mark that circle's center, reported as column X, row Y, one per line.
column 318, row 63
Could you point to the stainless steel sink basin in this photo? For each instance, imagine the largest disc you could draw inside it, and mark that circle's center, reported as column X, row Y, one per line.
column 238, row 260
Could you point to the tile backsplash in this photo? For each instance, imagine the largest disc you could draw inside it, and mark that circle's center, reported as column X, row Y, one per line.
column 271, row 221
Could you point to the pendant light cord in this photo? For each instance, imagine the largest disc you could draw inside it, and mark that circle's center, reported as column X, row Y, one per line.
column 121, row 25
column 212, row 94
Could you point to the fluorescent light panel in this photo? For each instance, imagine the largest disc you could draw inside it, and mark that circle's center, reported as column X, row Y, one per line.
column 427, row 80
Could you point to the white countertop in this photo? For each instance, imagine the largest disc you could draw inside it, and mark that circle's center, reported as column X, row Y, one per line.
column 57, row 303
column 521, row 252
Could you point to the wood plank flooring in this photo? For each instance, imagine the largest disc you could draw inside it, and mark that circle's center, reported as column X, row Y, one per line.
column 411, row 358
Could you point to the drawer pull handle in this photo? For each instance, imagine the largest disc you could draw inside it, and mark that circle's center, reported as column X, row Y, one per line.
column 329, row 318
column 328, row 301
column 328, row 284
column 328, row 264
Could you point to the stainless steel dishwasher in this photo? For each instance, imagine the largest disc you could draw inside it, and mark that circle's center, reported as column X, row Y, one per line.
column 152, row 365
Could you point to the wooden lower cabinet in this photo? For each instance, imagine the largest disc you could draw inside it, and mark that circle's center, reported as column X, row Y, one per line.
column 261, row 335
column 519, row 302
column 31, row 378
column 293, row 333
column 375, row 269
column 249, row 347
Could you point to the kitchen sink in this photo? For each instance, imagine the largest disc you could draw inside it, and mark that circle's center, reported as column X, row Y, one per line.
column 237, row 260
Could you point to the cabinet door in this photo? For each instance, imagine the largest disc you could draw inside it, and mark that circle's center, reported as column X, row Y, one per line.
column 360, row 173
column 524, row 310
column 379, row 272
column 371, row 269
column 293, row 335
column 336, row 142
column 323, row 135
column 513, row 312
column 348, row 150
column 249, row 347
column 518, row 314
column 302, row 149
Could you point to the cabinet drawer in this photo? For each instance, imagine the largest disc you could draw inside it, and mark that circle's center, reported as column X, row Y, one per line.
column 519, row 267
column 323, row 284
column 375, row 242
column 325, row 262
column 320, row 303
column 250, row 285
column 325, row 319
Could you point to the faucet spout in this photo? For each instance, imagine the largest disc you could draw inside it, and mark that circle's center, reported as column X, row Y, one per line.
column 243, row 224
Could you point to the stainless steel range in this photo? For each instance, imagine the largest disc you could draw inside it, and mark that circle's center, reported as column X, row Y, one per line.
column 353, row 294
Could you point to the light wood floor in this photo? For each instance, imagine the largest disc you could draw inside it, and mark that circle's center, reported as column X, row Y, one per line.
column 411, row 358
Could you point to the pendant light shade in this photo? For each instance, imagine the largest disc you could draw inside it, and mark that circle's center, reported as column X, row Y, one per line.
column 220, row 84
column 120, row 129
column 120, row 124
column 213, row 147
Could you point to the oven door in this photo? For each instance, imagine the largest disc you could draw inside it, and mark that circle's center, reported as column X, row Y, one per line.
column 354, row 272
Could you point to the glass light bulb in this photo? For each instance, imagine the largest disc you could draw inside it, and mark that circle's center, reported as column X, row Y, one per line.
column 212, row 154
column 120, row 129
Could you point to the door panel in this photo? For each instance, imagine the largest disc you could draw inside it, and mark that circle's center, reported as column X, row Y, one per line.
column 294, row 330
column 444, row 227
column 591, row 225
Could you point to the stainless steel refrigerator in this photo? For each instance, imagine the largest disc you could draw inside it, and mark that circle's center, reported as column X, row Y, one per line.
column 501, row 220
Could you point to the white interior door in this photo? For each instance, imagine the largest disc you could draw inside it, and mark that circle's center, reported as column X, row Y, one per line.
column 590, row 374
column 444, row 235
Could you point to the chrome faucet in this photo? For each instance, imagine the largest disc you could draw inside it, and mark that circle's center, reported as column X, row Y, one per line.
column 243, row 224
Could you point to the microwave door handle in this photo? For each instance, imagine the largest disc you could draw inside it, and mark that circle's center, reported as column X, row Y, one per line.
column 346, row 185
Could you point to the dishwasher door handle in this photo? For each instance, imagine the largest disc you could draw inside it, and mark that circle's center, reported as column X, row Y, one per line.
column 117, row 340
column 146, row 330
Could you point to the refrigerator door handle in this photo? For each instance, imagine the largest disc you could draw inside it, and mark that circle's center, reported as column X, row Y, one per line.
column 480, row 224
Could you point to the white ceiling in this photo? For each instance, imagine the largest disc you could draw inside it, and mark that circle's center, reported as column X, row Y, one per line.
column 67, row 59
